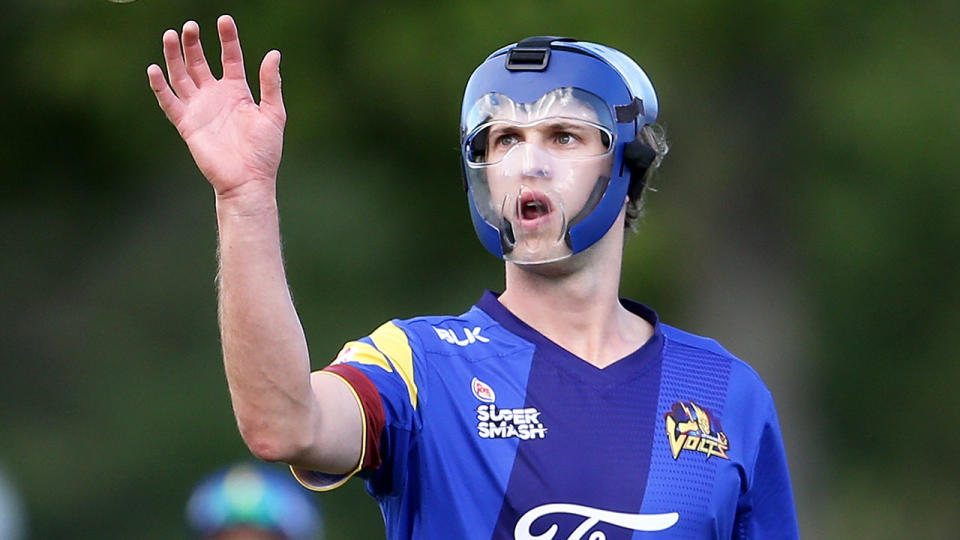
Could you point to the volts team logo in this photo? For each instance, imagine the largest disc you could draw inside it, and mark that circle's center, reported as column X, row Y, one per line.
column 690, row 427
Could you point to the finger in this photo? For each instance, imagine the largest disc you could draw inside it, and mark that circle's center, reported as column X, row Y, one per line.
column 271, row 97
column 181, row 82
column 231, row 56
column 197, row 66
column 171, row 106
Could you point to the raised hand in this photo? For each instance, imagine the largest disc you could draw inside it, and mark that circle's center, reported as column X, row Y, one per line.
column 235, row 142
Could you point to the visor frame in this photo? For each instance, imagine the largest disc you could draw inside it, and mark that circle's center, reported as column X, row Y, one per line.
column 468, row 151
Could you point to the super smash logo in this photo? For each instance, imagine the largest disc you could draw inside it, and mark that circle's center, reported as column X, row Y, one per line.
column 690, row 427
column 498, row 423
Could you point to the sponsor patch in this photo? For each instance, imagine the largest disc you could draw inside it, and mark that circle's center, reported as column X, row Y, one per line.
column 592, row 517
column 482, row 391
column 496, row 423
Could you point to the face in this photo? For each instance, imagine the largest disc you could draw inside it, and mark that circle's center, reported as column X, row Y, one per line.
column 534, row 167
column 542, row 176
column 560, row 136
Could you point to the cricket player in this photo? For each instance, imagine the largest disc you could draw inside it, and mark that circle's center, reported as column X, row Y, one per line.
column 555, row 409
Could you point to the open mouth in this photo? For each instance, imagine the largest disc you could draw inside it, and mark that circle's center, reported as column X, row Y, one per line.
column 534, row 226
column 532, row 205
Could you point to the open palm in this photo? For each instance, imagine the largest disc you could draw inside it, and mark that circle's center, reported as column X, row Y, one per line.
column 235, row 142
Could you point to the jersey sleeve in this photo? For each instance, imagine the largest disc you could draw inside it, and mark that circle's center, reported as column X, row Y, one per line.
column 380, row 371
column 766, row 509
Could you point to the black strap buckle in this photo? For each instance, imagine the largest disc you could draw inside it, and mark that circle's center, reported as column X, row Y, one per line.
column 532, row 53
column 629, row 113
column 528, row 58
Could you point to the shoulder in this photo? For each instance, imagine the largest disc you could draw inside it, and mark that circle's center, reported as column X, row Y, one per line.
column 725, row 384
column 472, row 333
column 694, row 347
column 425, row 329
column 693, row 341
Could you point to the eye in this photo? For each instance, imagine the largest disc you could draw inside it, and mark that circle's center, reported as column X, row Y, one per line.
column 566, row 138
column 507, row 139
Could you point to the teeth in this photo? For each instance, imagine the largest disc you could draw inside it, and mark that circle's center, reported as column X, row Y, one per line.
column 533, row 209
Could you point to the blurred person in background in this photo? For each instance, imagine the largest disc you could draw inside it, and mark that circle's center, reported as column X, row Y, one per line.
column 554, row 406
column 12, row 520
column 252, row 501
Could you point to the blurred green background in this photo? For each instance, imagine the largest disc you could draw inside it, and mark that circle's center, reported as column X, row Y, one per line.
column 806, row 217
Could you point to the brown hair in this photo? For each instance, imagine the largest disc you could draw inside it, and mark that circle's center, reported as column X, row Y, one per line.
column 654, row 136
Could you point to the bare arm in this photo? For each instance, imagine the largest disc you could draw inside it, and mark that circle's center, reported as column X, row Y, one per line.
column 282, row 413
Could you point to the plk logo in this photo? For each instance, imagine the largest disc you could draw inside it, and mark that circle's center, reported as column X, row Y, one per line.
column 470, row 336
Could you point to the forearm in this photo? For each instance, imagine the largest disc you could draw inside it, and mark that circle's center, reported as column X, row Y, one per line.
column 237, row 144
column 264, row 348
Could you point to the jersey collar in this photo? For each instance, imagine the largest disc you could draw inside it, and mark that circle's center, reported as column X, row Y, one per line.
column 631, row 365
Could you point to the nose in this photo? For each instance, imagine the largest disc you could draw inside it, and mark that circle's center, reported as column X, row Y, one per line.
column 535, row 161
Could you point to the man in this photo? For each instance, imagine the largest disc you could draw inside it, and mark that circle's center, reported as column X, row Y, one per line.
column 552, row 409
column 12, row 519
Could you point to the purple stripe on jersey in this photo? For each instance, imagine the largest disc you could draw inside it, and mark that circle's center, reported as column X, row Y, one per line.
column 596, row 451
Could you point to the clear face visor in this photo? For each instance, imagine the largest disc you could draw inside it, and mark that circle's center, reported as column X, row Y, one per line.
column 535, row 169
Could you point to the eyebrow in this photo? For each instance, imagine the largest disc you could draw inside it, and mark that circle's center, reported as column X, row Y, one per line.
column 567, row 125
column 560, row 123
column 508, row 128
column 497, row 128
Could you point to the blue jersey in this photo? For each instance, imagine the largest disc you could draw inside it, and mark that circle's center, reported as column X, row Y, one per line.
column 479, row 427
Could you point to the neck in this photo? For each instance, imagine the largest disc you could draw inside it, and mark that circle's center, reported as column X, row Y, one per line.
column 575, row 303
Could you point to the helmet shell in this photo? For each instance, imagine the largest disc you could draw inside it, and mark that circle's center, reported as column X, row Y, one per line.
column 603, row 71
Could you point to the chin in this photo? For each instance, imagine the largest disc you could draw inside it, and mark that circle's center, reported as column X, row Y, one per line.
column 561, row 265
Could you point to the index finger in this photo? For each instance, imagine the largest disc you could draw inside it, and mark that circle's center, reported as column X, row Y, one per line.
column 231, row 55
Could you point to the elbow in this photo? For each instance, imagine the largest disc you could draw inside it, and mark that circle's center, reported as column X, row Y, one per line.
column 272, row 445
column 269, row 449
